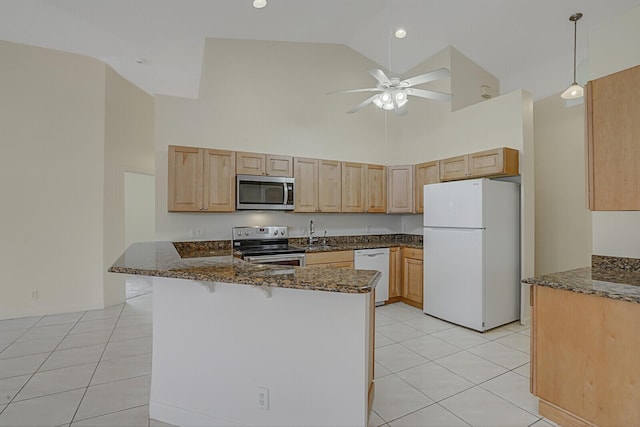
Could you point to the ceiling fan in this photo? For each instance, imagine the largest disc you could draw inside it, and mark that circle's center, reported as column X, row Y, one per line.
column 395, row 92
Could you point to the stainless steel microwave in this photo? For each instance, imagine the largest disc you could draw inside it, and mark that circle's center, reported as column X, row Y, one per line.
column 264, row 193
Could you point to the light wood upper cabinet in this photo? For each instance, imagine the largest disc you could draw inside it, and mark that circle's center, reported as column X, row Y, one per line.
column 400, row 189
column 329, row 186
column 376, row 197
column 263, row 164
column 395, row 273
column 490, row 163
column 185, row 179
column 412, row 273
column 354, row 176
column 613, row 141
column 201, row 180
column 318, row 185
column 219, row 181
column 425, row 173
column 306, row 184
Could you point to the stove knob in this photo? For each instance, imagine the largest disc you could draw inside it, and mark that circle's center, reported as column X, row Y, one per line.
column 275, row 233
column 246, row 233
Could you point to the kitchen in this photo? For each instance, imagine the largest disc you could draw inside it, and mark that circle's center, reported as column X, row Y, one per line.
column 571, row 246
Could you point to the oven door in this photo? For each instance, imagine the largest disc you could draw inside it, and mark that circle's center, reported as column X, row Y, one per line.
column 296, row 260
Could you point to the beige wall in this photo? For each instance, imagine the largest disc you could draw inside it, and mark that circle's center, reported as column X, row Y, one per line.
column 563, row 223
column 70, row 128
column 52, row 108
column 613, row 46
column 129, row 147
column 271, row 97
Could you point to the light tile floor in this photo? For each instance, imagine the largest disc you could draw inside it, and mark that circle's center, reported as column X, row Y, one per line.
column 94, row 369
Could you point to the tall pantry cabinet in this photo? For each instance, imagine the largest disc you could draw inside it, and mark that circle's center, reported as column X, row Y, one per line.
column 613, row 141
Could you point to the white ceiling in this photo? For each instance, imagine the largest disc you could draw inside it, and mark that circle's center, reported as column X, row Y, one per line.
column 524, row 43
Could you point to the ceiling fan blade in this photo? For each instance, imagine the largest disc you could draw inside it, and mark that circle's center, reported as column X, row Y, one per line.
column 369, row 89
column 430, row 94
column 380, row 76
column 362, row 104
column 426, row 77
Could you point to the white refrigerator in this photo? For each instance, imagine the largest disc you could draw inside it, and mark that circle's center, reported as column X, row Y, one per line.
column 472, row 252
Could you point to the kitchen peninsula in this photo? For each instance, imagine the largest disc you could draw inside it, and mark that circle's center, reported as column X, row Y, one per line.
column 247, row 344
column 585, row 343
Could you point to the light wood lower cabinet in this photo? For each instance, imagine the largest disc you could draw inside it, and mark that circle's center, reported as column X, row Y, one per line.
column 395, row 274
column 584, row 358
column 200, row 180
column 412, row 271
column 490, row 163
column 336, row 259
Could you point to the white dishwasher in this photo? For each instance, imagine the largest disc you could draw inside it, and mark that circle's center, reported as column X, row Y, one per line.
column 375, row 259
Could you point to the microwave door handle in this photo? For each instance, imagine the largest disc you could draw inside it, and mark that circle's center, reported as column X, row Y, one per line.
column 286, row 194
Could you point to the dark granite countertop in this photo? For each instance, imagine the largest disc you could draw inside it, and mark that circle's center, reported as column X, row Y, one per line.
column 214, row 262
column 610, row 277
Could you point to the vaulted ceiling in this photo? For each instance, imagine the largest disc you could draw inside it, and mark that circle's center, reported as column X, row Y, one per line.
column 158, row 44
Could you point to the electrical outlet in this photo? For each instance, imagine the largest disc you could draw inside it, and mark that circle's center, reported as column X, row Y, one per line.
column 198, row 233
column 34, row 294
column 263, row 397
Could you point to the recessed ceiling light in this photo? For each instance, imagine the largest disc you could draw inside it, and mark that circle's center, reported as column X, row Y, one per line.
column 259, row 4
column 400, row 33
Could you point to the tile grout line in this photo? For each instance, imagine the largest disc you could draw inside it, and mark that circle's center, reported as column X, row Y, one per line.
column 43, row 362
column 75, row 413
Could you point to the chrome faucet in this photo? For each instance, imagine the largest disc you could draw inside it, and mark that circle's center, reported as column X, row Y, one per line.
column 312, row 231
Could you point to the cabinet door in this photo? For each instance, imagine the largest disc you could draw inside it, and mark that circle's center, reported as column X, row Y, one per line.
column 250, row 163
column 412, row 270
column 353, row 187
column 279, row 165
column 335, row 258
column 219, row 181
column 400, row 189
column 613, row 135
column 329, row 186
column 376, row 182
column 185, row 179
column 395, row 273
column 306, row 189
column 497, row 162
column 426, row 173
column 454, row 168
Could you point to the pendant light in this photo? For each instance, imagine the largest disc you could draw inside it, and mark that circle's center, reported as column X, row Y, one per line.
column 575, row 90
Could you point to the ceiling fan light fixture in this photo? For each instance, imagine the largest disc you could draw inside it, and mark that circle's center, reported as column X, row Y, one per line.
column 259, row 4
column 575, row 90
column 400, row 33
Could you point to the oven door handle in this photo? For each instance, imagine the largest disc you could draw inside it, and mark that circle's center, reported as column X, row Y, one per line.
column 271, row 258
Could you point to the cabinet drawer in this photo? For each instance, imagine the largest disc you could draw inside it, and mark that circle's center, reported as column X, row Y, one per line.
column 329, row 257
column 412, row 253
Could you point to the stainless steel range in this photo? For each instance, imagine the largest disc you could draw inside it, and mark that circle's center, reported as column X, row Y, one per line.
column 266, row 245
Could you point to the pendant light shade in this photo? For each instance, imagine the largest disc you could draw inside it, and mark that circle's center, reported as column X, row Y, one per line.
column 575, row 90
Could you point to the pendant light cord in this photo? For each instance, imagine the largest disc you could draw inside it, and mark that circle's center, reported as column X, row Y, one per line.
column 575, row 32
